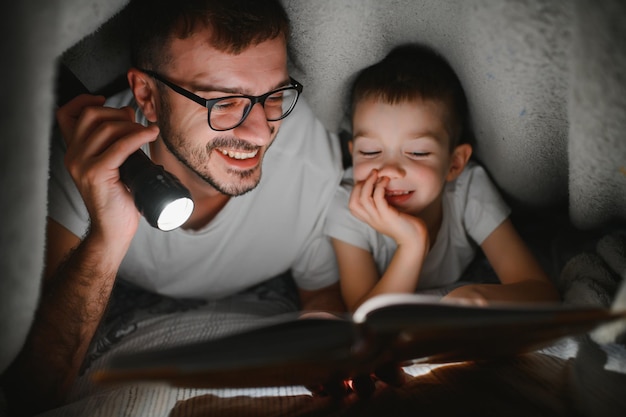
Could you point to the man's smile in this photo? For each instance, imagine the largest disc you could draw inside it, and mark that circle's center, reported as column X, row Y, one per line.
column 240, row 159
column 239, row 154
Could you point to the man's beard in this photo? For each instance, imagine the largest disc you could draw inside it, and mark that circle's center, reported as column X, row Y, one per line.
column 195, row 158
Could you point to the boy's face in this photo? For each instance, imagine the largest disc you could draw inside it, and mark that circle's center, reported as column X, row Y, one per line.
column 407, row 142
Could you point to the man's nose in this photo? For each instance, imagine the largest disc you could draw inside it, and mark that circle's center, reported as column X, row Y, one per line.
column 255, row 129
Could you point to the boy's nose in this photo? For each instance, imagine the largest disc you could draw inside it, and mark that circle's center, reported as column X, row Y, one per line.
column 391, row 169
column 255, row 129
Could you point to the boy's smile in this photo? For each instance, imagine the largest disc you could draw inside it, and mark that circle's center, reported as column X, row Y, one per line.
column 396, row 198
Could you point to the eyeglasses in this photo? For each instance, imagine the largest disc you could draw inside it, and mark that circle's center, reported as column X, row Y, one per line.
column 228, row 112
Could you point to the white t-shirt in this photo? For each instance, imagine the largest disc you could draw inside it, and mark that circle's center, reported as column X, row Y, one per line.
column 274, row 228
column 472, row 209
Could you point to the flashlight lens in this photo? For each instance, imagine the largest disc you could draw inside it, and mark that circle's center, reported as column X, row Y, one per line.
column 175, row 214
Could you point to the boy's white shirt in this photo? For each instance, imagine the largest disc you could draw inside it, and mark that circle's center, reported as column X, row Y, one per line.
column 271, row 229
column 472, row 209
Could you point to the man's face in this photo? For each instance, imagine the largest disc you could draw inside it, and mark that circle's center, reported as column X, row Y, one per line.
column 230, row 161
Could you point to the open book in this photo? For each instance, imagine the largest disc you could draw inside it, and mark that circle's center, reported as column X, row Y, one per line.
column 391, row 328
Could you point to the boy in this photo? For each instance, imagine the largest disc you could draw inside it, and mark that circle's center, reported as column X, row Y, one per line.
column 419, row 208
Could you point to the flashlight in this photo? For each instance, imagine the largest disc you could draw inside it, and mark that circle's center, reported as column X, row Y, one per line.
column 159, row 196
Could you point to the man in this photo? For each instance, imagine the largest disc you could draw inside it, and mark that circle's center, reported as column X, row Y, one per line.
column 258, row 212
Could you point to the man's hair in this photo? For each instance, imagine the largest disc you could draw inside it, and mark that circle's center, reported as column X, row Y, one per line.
column 412, row 72
column 235, row 25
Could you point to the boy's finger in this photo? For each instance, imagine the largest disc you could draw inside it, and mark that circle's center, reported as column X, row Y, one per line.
column 368, row 184
column 354, row 202
column 379, row 191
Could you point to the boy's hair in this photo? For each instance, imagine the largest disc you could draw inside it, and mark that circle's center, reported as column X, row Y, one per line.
column 235, row 25
column 412, row 72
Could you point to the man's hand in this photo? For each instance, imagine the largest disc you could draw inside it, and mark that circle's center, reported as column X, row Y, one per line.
column 99, row 139
column 368, row 204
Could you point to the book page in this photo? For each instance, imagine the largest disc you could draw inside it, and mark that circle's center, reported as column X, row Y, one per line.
column 384, row 300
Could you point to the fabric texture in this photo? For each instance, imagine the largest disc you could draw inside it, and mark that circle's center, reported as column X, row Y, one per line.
column 275, row 227
column 472, row 209
column 597, row 277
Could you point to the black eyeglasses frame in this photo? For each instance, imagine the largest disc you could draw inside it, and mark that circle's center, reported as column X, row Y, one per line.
column 209, row 103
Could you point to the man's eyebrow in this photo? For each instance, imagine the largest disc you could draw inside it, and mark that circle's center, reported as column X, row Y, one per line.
column 207, row 88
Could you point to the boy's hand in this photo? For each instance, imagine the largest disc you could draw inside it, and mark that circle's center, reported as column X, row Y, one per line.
column 467, row 295
column 368, row 204
column 99, row 139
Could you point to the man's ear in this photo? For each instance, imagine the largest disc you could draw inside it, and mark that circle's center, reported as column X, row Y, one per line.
column 144, row 90
column 458, row 161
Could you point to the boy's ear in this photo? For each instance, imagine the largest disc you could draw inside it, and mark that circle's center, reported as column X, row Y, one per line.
column 144, row 89
column 458, row 161
column 350, row 146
